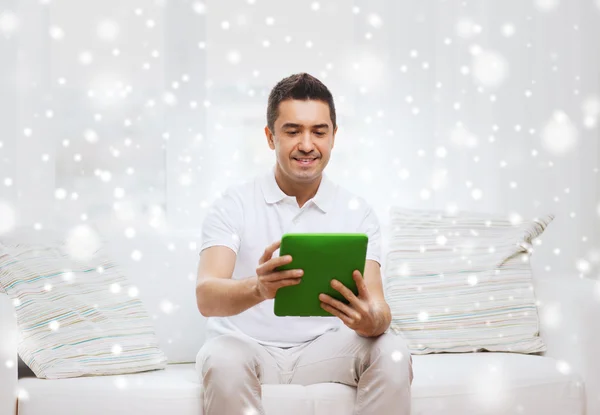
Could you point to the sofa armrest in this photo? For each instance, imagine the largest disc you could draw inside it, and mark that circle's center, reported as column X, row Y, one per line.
column 8, row 357
column 569, row 308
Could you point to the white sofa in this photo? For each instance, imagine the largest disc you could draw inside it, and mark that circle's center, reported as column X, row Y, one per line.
column 564, row 381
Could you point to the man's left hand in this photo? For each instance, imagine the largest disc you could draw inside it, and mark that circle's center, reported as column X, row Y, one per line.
column 361, row 314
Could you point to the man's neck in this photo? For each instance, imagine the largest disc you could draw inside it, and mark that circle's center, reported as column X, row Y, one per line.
column 302, row 191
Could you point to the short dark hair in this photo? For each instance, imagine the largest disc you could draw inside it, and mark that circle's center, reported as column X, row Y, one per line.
column 300, row 86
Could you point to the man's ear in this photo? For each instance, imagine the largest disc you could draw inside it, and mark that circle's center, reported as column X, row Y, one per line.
column 270, row 138
column 333, row 138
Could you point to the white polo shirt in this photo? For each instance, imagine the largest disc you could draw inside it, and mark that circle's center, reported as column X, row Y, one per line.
column 250, row 216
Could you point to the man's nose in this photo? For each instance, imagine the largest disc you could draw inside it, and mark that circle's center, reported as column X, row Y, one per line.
column 306, row 143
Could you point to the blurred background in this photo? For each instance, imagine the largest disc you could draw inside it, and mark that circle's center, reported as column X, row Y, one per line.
column 134, row 116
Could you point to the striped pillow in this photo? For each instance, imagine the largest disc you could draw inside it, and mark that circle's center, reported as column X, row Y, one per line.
column 76, row 317
column 462, row 282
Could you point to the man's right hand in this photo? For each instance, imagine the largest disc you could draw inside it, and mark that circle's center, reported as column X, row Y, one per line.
column 268, row 279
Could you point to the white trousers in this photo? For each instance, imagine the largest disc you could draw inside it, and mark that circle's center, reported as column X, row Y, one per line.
column 232, row 369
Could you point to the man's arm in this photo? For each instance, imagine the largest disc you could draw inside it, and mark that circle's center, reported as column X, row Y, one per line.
column 217, row 294
column 381, row 309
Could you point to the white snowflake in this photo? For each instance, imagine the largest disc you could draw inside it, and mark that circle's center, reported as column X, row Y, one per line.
column 563, row 367
column 250, row 411
column 82, row 242
column 166, row 306
column 591, row 106
column 353, row 204
column 466, row 28
column 119, row 193
column 462, row 137
column 107, row 30
column 582, row 266
column 546, row 5
column 397, row 355
column 22, row 394
column 515, row 218
column 439, row 178
column 375, row 20
column 86, row 58
column 7, row 218
column 199, row 7
column 136, row 255
column 508, row 30
column 489, row 68
column 9, row 23
column 551, row 315
column 90, row 136
column 559, row 135
column 476, row 194
column 120, row 382
column 234, row 57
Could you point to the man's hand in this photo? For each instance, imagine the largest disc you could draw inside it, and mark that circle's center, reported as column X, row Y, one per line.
column 268, row 281
column 362, row 314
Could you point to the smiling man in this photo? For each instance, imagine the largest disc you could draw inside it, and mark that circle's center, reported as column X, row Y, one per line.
column 247, row 345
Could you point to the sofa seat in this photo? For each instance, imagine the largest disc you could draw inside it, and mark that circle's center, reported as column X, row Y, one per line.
column 444, row 384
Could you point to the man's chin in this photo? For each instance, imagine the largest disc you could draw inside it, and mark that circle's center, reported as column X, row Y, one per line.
column 306, row 174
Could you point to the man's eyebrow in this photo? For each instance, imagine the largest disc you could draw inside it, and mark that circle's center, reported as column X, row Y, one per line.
column 293, row 125
column 290, row 125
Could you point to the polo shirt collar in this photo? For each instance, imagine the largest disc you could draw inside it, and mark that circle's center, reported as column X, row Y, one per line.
column 273, row 193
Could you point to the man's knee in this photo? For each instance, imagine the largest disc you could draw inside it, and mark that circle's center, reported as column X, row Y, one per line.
column 225, row 355
column 396, row 359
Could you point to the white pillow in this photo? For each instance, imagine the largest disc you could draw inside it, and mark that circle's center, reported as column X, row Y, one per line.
column 77, row 315
column 462, row 282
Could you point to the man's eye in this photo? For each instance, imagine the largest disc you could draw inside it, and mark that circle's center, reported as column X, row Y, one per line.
column 292, row 132
column 319, row 133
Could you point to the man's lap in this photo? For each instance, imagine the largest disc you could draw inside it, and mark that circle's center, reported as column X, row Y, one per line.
column 336, row 356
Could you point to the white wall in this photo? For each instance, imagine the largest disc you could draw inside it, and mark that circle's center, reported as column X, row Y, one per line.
column 438, row 101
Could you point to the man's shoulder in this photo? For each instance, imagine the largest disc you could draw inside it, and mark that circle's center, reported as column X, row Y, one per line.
column 243, row 187
column 240, row 192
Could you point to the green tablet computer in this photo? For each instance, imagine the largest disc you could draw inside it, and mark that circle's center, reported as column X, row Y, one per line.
column 323, row 257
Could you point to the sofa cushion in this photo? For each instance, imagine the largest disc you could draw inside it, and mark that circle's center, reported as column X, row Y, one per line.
column 77, row 313
column 462, row 282
column 495, row 383
column 444, row 384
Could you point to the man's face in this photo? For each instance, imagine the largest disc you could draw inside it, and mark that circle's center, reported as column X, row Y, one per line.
column 303, row 138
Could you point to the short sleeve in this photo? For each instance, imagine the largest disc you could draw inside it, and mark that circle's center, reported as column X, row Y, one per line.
column 370, row 226
column 223, row 223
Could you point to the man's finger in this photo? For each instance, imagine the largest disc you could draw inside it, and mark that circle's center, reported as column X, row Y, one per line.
column 286, row 282
column 282, row 275
column 347, row 321
column 272, row 264
column 268, row 253
column 363, row 291
column 345, row 291
column 278, row 261
column 338, row 305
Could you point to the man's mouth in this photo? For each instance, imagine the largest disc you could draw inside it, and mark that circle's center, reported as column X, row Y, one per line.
column 305, row 161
